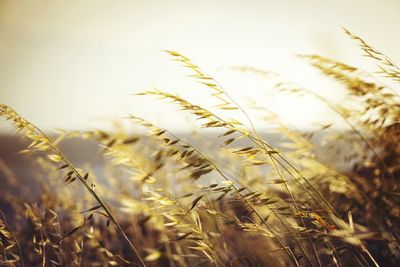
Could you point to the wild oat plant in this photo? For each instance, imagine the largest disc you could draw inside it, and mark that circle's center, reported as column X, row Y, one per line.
column 165, row 201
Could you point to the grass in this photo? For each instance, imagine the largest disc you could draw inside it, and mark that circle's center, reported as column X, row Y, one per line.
column 240, row 201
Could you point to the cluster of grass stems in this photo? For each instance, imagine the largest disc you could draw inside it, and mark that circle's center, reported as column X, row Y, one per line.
column 166, row 201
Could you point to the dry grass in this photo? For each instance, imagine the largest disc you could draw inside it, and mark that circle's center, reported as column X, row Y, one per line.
column 166, row 201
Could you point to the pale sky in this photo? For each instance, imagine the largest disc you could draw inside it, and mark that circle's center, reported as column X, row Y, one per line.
column 70, row 64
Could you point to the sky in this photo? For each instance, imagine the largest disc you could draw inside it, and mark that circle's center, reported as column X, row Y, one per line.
column 77, row 64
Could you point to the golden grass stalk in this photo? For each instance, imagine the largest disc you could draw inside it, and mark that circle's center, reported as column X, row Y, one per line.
column 387, row 66
column 41, row 142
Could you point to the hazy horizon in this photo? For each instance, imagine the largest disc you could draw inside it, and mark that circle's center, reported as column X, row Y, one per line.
column 74, row 65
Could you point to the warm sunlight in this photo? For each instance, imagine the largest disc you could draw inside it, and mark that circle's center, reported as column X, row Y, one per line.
column 78, row 62
column 199, row 133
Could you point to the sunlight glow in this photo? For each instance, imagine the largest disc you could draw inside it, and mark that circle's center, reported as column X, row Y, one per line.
column 80, row 62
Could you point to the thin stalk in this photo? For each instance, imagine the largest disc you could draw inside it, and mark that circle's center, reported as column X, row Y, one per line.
column 362, row 137
column 215, row 167
column 98, row 199
column 15, row 239
column 18, row 119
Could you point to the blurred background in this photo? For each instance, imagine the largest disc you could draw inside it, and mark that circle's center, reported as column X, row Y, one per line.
column 79, row 65
column 75, row 64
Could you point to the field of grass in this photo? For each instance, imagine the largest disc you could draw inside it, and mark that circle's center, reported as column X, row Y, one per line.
column 322, row 198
